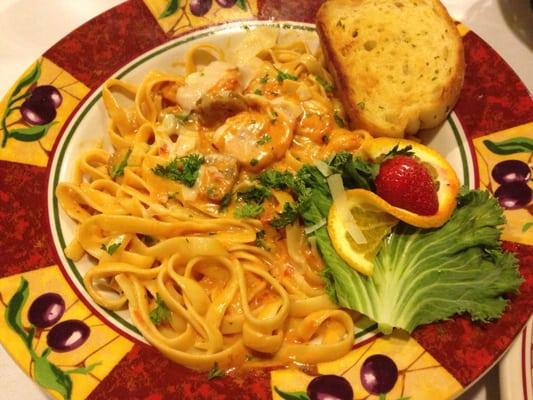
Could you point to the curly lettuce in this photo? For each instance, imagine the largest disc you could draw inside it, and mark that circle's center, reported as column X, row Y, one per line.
column 421, row 275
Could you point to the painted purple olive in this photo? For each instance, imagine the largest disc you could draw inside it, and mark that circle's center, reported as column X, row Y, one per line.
column 511, row 171
column 37, row 112
column 200, row 7
column 329, row 387
column 47, row 93
column 379, row 374
column 226, row 3
column 513, row 195
column 46, row 310
column 68, row 335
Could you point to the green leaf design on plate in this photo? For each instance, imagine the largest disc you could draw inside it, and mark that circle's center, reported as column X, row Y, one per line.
column 291, row 395
column 49, row 376
column 46, row 374
column 14, row 310
column 510, row 146
column 171, row 8
column 32, row 133
column 28, row 79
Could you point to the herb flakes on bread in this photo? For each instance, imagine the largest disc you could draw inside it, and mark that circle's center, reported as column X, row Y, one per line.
column 398, row 64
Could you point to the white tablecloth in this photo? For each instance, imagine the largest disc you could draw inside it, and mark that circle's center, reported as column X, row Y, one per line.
column 28, row 28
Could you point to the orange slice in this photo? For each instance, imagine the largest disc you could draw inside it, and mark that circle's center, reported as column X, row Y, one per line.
column 441, row 171
column 373, row 222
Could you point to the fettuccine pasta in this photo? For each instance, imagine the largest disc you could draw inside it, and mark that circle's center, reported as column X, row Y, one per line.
column 171, row 220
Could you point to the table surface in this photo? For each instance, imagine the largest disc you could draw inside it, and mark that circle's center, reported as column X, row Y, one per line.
column 30, row 27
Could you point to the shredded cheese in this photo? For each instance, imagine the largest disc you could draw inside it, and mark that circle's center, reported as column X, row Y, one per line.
column 336, row 188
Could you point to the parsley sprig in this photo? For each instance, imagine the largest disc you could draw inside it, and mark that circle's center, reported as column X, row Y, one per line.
column 287, row 216
column 184, row 169
column 248, row 211
column 160, row 313
column 118, row 169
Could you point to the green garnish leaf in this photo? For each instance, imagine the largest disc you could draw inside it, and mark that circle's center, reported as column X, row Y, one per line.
column 259, row 239
column 241, row 4
column 339, row 120
column 118, row 169
column 274, row 179
column 285, row 75
column 184, row 169
column 161, row 312
column 328, row 86
column 249, row 211
column 285, row 217
column 254, row 194
column 264, row 79
column 258, row 92
column 224, row 203
column 264, row 140
column 356, row 172
column 253, row 162
column 111, row 248
column 215, row 372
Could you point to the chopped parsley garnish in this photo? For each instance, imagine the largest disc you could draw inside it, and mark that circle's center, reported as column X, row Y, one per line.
column 258, row 92
column 255, row 194
column 184, row 169
column 285, row 75
column 339, row 120
column 259, row 239
column 160, row 313
column 328, row 87
column 286, row 217
column 215, row 372
column 264, row 79
column 249, row 211
column 118, row 169
column 224, row 203
column 276, row 179
column 264, row 140
column 111, row 248
column 253, row 162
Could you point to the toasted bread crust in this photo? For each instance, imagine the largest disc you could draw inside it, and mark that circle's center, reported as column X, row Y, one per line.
column 426, row 115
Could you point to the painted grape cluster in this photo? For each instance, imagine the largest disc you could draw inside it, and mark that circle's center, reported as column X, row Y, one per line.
column 40, row 107
column 37, row 105
column 378, row 376
column 513, row 176
column 44, row 313
column 199, row 8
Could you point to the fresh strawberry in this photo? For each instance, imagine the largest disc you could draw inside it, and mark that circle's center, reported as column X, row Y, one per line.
column 407, row 184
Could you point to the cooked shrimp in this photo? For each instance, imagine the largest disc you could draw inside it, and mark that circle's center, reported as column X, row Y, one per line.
column 255, row 139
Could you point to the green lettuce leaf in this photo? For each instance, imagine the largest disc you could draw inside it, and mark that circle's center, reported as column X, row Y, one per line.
column 421, row 275
column 427, row 275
